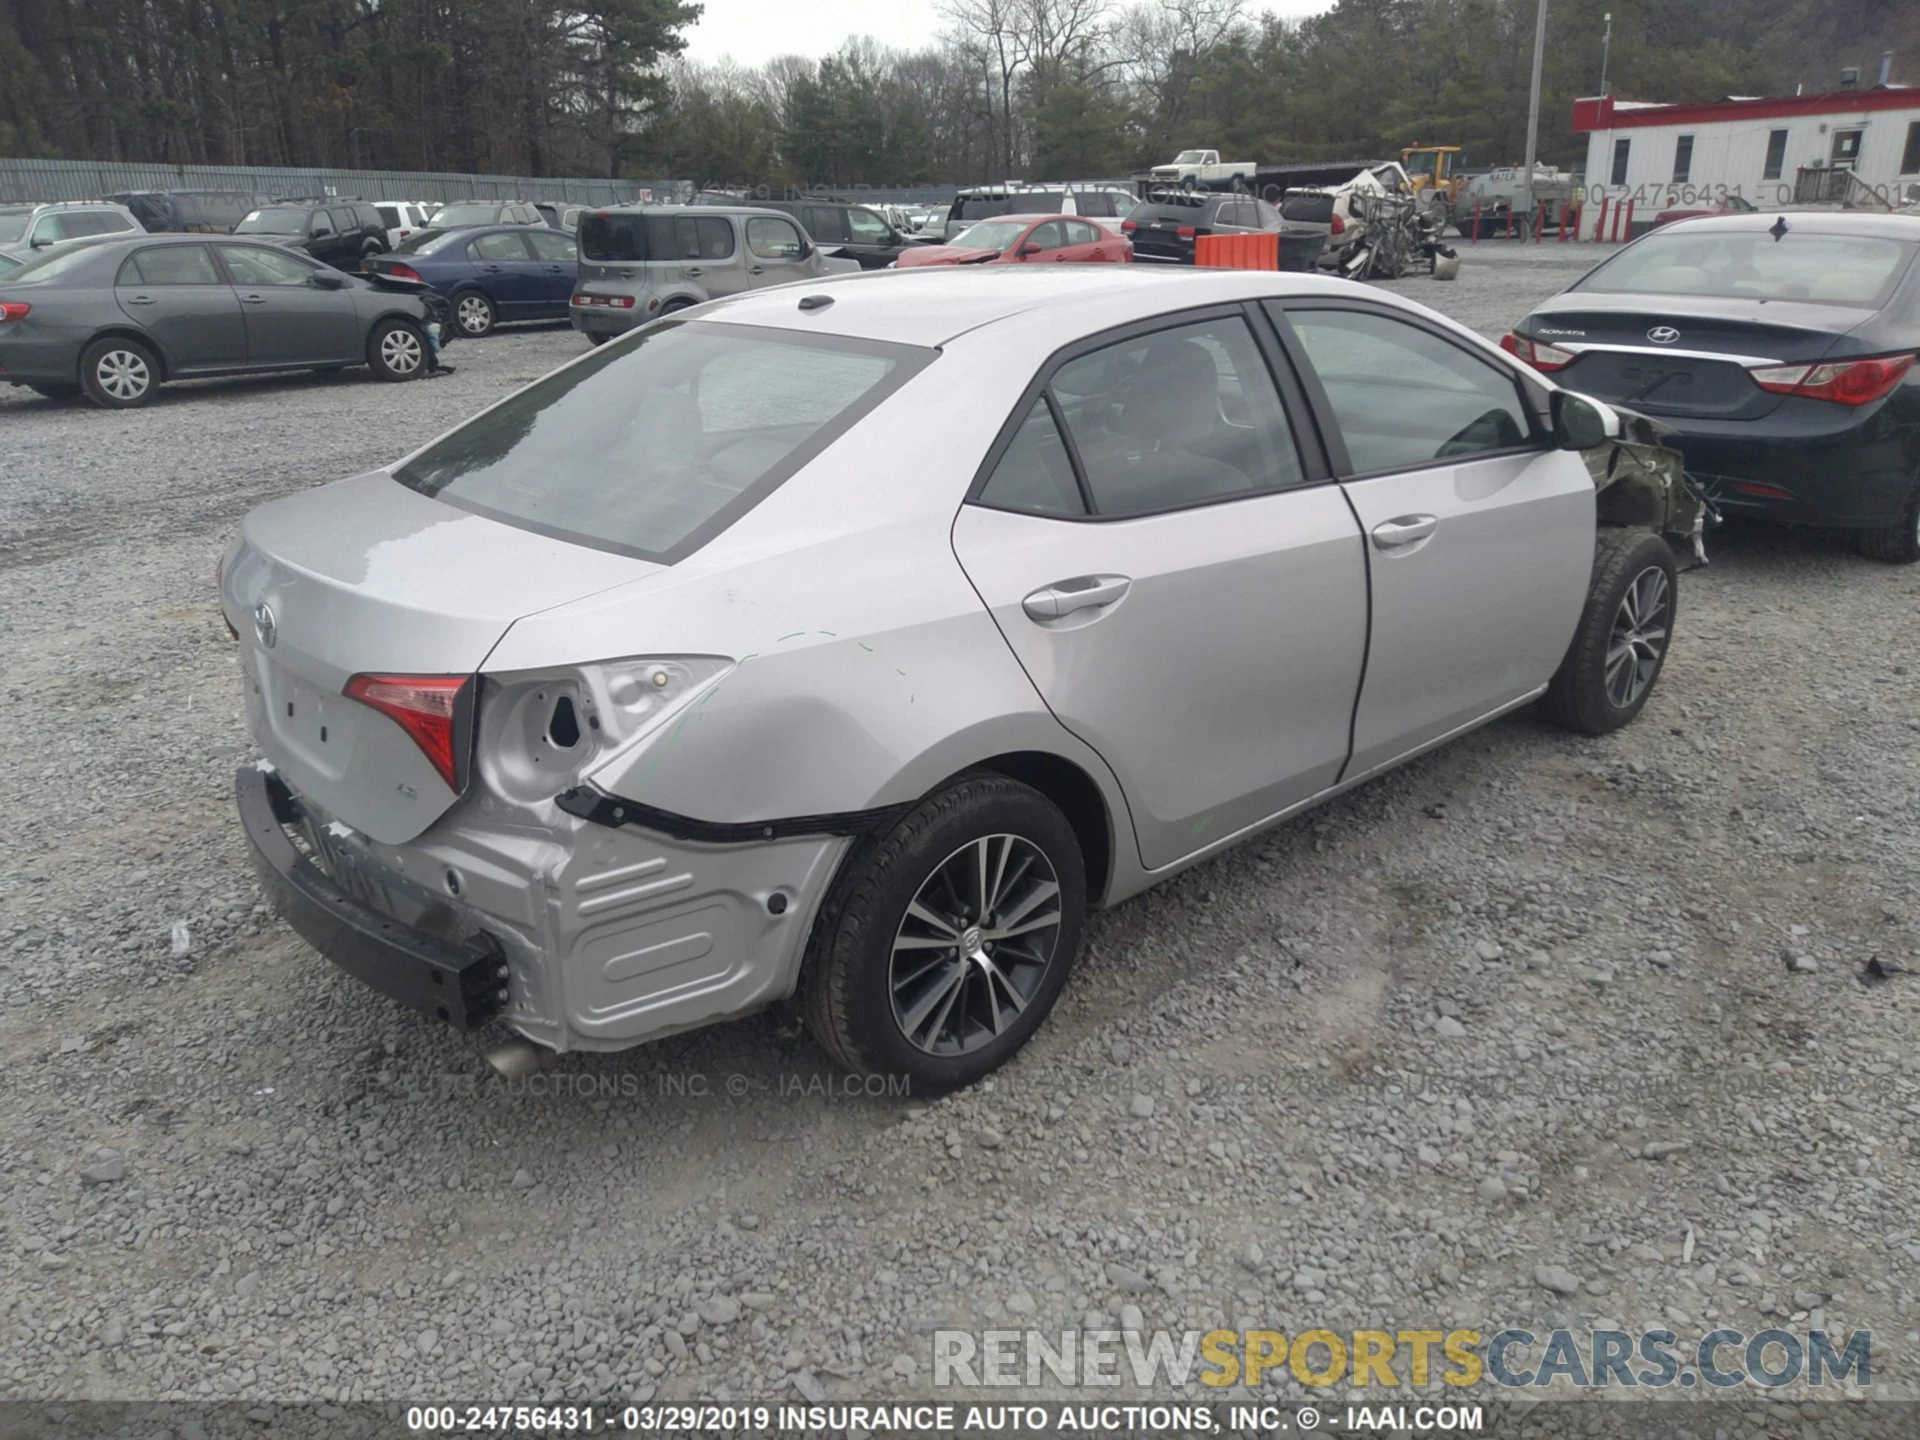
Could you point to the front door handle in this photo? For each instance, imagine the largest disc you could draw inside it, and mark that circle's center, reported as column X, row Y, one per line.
column 491, row 269
column 1403, row 530
column 140, row 299
column 757, row 270
column 254, row 299
column 1084, row 592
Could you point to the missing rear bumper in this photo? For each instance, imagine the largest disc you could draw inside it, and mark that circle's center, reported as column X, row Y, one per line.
column 464, row 985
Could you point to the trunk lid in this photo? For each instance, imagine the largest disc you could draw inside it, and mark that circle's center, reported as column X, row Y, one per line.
column 367, row 576
column 1698, row 365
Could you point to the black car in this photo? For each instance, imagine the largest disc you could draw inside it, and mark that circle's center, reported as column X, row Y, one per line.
column 114, row 319
column 1164, row 229
column 1780, row 348
column 213, row 212
column 340, row 233
column 857, row 232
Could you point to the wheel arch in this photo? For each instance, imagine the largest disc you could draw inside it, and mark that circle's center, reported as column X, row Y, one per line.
column 127, row 332
column 1077, row 795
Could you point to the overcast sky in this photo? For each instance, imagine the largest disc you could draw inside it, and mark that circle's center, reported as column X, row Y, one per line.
column 754, row 31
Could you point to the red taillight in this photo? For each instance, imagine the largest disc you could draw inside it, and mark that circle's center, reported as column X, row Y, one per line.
column 1539, row 356
column 621, row 302
column 401, row 272
column 1844, row 382
column 583, row 299
column 1127, row 227
column 1185, row 232
column 14, row 309
column 1339, row 226
column 429, row 708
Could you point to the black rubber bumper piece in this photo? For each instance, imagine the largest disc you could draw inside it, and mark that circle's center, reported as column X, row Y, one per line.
column 464, row 985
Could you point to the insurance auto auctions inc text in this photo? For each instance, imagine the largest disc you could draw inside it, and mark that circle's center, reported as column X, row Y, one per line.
column 1381, row 1358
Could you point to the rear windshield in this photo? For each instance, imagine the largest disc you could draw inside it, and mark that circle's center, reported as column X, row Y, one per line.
column 1753, row 265
column 1184, row 211
column 990, row 234
column 1315, row 208
column 466, row 214
column 273, row 222
column 425, row 242
column 653, row 445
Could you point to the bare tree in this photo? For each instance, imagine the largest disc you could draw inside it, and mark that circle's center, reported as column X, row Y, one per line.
column 997, row 32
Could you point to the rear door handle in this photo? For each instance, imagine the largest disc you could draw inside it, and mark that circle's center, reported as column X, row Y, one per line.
column 757, row 270
column 254, row 299
column 1084, row 592
column 140, row 299
column 1403, row 530
column 491, row 269
column 695, row 270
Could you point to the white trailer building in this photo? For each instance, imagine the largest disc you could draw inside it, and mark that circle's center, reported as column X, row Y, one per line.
column 1766, row 151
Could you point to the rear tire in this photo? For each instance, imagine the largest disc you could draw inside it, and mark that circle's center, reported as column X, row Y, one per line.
column 877, row 1007
column 1620, row 645
column 119, row 374
column 397, row 350
column 474, row 314
column 1898, row 543
column 597, row 337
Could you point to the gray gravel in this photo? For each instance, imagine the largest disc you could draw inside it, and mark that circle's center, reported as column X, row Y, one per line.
column 1539, row 1030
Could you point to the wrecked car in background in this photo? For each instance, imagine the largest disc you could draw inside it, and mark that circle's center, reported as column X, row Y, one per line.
column 642, row 700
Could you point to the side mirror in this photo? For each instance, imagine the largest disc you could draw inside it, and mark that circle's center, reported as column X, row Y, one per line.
column 41, row 242
column 1580, row 423
column 329, row 280
column 1030, row 248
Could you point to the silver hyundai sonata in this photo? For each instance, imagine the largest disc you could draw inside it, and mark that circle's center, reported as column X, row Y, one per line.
column 656, row 693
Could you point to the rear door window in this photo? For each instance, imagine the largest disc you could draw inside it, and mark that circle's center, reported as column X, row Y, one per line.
column 1082, row 232
column 1177, row 417
column 170, row 265
column 501, row 245
column 256, row 265
column 652, row 446
column 1034, row 475
column 773, row 239
column 390, row 217
column 552, row 247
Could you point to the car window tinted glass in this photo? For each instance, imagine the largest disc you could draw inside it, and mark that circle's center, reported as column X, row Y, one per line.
column 255, row 265
column 827, row 224
column 1751, row 264
column 170, row 265
column 1083, row 232
column 661, row 440
column 715, row 234
column 1039, row 202
column 981, row 209
column 615, row 238
column 773, row 239
column 552, row 247
column 390, row 217
column 13, row 225
column 318, row 225
column 273, row 222
column 866, row 227
column 1177, row 417
column 1035, row 475
column 1403, row 396
column 501, row 245
column 1048, row 236
column 1093, row 202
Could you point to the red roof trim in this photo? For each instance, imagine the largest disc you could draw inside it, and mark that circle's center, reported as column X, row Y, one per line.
column 1602, row 113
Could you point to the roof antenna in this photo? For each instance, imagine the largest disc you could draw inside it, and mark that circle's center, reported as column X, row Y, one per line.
column 1778, row 228
column 815, row 302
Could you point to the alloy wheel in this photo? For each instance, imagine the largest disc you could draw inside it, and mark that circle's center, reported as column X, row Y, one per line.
column 123, row 374
column 974, row 945
column 400, row 350
column 1639, row 637
column 473, row 315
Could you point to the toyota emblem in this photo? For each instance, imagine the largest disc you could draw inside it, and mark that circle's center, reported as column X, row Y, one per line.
column 265, row 630
column 1663, row 334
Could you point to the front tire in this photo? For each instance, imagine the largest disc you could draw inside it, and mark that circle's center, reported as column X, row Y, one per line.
column 119, row 374
column 474, row 314
column 947, row 942
column 1898, row 543
column 1620, row 645
column 397, row 350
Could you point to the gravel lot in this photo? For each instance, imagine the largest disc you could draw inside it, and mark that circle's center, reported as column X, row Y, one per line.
column 1537, row 1031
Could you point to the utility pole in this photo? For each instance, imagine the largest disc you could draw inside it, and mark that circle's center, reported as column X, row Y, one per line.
column 1606, row 45
column 1533, row 104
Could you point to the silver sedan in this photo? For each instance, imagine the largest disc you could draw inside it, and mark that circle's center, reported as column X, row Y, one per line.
column 655, row 694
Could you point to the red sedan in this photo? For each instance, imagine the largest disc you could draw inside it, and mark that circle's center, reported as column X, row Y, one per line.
column 1022, row 239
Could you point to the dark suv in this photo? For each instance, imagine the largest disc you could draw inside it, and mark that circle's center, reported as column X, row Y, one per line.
column 340, row 233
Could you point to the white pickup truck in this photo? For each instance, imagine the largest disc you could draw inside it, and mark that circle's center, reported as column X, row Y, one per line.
column 1193, row 168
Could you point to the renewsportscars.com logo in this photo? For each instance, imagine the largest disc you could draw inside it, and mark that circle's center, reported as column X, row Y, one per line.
column 1511, row 1358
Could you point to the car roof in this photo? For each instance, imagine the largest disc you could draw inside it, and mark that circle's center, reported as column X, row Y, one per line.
column 934, row 304
column 1811, row 222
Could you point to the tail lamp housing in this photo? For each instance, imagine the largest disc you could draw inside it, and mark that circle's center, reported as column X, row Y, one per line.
column 1540, row 355
column 436, row 711
column 1843, row 382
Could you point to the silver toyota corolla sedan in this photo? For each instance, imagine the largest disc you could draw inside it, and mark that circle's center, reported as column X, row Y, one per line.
column 656, row 693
